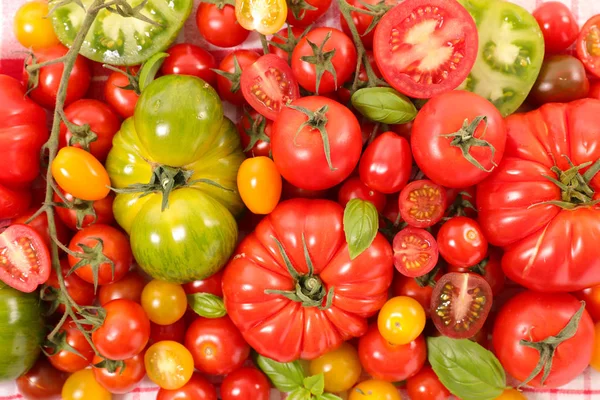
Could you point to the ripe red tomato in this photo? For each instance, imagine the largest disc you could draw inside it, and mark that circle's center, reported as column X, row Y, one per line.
column 490, row 268
column 461, row 242
column 211, row 285
column 50, row 76
column 174, row 332
column 230, row 75
column 425, row 385
column 594, row 92
column 255, row 134
column 386, row 163
column 282, row 44
column 66, row 360
column 588, row 43
column 13, row 202
column 534, row 317
column 197, row 388
column 129, row 287
column 106, row 244
column 246, row 383
column 40, row 225
column 268, row 85
column 79, row 290
column 125, row 331
column 85, row 213
column 420, row 64
column 362, row 21
column 123, row 101
column 42, row 381
column 101, row 120
column 353, row 188
column 458, row 113
column 558, row 25
column 217, row 345
column 302, row 13
column 290, row 191
column 422, row 203
column 418, row 288
column 122, row 380
column 219, row 26
column 591, row 296
column 415, row 252
column 188, row 59
column 388, row 362
column 343, row 60
column 310, row 160
column 24, row 258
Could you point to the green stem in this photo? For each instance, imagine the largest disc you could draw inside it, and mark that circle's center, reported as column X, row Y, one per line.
column 264, row 43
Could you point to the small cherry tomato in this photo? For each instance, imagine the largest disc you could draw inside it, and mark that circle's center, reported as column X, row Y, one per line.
column 591, row 296
column 422, row 203
column 229, row 75
column 255, row 134
column 244, row 384
column 302, row 13
column 374, row 390
column 32, row 27
column 415, row 252
column 188, row 59
column 259, row 184
column 84, row 213
column 80, row 291
column 82, row 385
column 123, row 101
column 418, row 288
column 461, row 242
column 219, row 26
column 42, row 381
column 353, row 188
column 164, row 302
column 122, row 380
column 558, row 26
column 341, row 368
column 78, row 172
column 401, row 320
column 264, row 16
column 197, row 388
column 562, row 79
column 169, row 364
column 511, row 394
column 129, row 287
column 425, row 385
column 64, row 359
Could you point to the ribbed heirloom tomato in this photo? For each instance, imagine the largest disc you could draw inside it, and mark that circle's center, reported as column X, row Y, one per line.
column 301, row 248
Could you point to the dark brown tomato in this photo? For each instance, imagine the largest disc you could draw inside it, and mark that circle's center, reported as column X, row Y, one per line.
column 562, row 79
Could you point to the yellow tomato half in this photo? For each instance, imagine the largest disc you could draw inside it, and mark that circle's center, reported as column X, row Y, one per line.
column 263, row 16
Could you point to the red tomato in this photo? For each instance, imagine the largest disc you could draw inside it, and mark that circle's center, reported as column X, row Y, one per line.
column 417, row 288
column 459, row 114
column 388, row 362
column 85, row 213
column 40, row 225
column 129, row 287
column 42, row 381
column 461, row 242
column 283, row 43
column 353, row 188
column 230, row 75
column 594, row 90
column 123, row 101
column 588, row 44
column 310, row 160
column 13, row 202
column 174, row 332
column 24, row 258
column 219, row 26
column 79, row 290
column 302, row 13
column 125, row 331
column 343, row 61
column 546, row 248
column 290, row 191
column 106, row 244
column 558, row 25
column 197, row 388
column 386, row 163
column 123, row 380
column 255, row 134
column 369, row 130
column 188, row 59
column 415, row 252
column 268, row 85
column 246, row 383
column 535, row 317
column 362, row 21
column 591, row 296
column 50, row 76
column 422, row 62
column 101, row 120
column 425, row 385
column 490, row 268
column 404, row 130
column 217, row 345
column 66, row 360
column 422, row 203
column 211, row 285
column 461, row 202
column 310, row 233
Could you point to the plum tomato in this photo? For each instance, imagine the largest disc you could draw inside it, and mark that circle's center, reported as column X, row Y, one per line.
column 189, row 59
column 78, row 172
column 562, row 79
column 401, row 320
column 259, row 184
column 422, row 203
column 341, row 368
column 588, row 45
column 353, row 188
column 169, row 364
column 558, row 25
column 229, row 75
column 461, row 242
column 415, row 252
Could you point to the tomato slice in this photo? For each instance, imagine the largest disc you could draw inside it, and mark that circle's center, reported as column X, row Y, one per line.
column 268, row 85
column 169, row 364
column 460, row 304
column 24, row 258
column 422, row 203
column 426, row 47
column 415, row 252
column 588, row 45
column 264, row 16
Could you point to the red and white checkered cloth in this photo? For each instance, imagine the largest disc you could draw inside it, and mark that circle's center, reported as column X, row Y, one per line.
column 585, row 387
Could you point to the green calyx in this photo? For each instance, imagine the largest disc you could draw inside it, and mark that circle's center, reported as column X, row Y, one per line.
column 257, row 130
column 288, row 44
column 234, row 77
column 316, row 120
column 299, row 8
column 322, row 60
column 465, row 138
column 575, row 187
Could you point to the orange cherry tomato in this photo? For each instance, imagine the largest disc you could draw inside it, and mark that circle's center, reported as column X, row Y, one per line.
column 259, row 184
column 79, row 173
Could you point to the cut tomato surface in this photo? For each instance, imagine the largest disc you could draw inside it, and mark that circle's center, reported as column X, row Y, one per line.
column 415, row 252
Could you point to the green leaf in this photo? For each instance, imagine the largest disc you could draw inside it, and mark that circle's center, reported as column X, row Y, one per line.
column 329, row 396
column 469, row 371
column 207, row 305
column 361, row 222
column 384, row 105
column 287, row 377
column 150, row 69
column 299, row 394
column 315, row 384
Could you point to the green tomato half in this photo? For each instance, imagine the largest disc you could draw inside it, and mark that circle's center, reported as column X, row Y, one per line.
column 119, row 40
column 511, row 52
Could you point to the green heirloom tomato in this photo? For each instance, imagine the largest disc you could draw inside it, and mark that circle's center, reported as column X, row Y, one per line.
column 118, row 40
column 511, row 52
column 174, row 164
column 21, row 331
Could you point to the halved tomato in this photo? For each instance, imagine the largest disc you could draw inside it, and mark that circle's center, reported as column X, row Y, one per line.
column 264, row 16
column 24, row 258
column 422, row 203
column 460, row 304
column 268, row 85
column 588, row 45
column 415, row 252
column 426, row 47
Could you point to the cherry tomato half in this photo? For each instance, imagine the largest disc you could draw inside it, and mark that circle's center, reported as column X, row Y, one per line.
column 169, row 364
column 422, row 203
column 415, row 252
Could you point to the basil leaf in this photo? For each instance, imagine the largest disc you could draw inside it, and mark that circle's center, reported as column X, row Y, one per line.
column 315, row 384
column 299, row 394
column 466, row 369
column 150, row 69
column 361, row 222
column 329, row 396
column 384, row 105
column 287, row 377
column 207, row 305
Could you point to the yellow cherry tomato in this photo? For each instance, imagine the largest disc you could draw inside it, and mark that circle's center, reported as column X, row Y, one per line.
column 82, row 385
column 259, row 184
column 595, row 363
column 79, row 173
column 263, row 16
column 164, row 302
column 341, row 368
column 32, row 28
column 511, row 394
column 374, row 390
column 169, row 364
column 401, row 320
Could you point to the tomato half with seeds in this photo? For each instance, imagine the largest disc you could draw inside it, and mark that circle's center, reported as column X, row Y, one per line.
column 425, row 47
column 460, row 304
column 422, row 203
column 264, row 16
column 169, row 364
column 415, row 252
column 24, row 258
column 268, row 85
column 588, row 45
column 490, row 268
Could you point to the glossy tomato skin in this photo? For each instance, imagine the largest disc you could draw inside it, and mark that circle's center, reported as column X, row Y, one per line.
column 255, row 134
column 284, row 39
column 340, row 367
column 101, row 119
column 31, row 27
column 197, row 388
column 386, row 163
column 344, row 60
column 122, row 380
column 446, row 114
column 374, row 387
column 165, row 303
column 80, row 291
column 558, row 25
column 78, row 172
column 297, row 16
column 492, row 270
column 591, row 296
column 594, row 90
column 295, row 331
column 174, row 332
column 587, row 45
column 123, row 101
column 353, row 188
column 300, row 156
column 259, row 184
column 42, row 381
column 83, row 385
column 129, row 287
column 229, row 89
column 211, row 285
column 461, row 242
column 535, row 316
column 388, row 362
column 562, row 79
column 362, row 21
column 188, row 59
column 102, row 208
column 40, row 225
column 219, row 27
column 406, row 286
column 246, row 383
column 13, row 202
column 425, row 385
column 66, row 360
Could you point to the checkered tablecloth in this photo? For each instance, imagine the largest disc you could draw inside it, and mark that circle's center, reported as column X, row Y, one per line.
column 585, row 387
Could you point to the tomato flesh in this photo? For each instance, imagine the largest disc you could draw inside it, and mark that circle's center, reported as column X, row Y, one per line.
column 422, row 203
column 588, row 45
column 415, row 252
